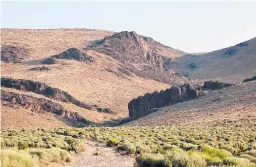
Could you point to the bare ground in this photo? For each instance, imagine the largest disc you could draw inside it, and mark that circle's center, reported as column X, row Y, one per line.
column 108, row 157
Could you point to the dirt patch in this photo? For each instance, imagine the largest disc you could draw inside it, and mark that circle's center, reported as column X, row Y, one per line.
column 107, row 157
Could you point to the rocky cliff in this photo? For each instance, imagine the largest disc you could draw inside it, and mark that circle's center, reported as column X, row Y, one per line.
column 39, row 105
column 48, row 91
column 250, row 79
column 176, row 94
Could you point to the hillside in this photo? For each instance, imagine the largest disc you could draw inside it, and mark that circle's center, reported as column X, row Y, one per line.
column 63, row 88
column 109, row 69
column 139, row 54
column 231, row 103
column 231, row 64
column 61, row 59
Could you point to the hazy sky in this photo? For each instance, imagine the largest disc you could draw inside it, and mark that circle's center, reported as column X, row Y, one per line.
column 188, row 26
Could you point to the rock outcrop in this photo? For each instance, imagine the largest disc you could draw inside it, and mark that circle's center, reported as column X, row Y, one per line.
column 141, row 55
column 49, row 61
column 147, row 103
column 43, row 68
column 70, row 54
column 214, row 85
column 250, row 79
column 46, row 90
column 74, row 54
column 40, row 105
column 176, row 94
column 13, row 54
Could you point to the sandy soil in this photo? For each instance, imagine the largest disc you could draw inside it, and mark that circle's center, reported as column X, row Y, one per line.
column 109, row 158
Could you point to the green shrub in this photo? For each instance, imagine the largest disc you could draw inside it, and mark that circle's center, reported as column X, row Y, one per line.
column 127, row 147
column 13, row 158
column 22, row 145
column 214, row 161
column 238, row 162
column 78, row 147
column 209, row 151
column 46, row 156
column 143, row 149
column 195, row 160
column 176, row 157
column 112, row 142
column 150, row 160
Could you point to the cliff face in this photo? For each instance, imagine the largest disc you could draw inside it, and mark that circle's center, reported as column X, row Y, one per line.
column 250, row 79
column 176, row 94
column 39, row 105
column 48, row 91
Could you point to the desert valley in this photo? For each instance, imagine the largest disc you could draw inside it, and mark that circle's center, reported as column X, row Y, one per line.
column 95, row 98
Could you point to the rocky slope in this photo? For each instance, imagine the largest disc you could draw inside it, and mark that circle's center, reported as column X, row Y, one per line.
column 39, row 105
column 48, row 91
column 230, row 103
column 141, row 55
column 98, row 81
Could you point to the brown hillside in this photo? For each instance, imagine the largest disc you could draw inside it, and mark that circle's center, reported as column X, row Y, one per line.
column 104, row 82
column 231, row 64
column 231, row 103
column 141, row 55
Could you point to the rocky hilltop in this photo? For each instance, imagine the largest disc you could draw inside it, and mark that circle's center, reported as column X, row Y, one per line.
column 141, row 55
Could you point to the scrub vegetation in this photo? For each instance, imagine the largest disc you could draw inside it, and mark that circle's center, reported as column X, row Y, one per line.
column 219, row 143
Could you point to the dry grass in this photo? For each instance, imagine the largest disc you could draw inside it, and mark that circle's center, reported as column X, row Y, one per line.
column 219, row 65
column 20, row 118
column 45, row 43
column 89, row 83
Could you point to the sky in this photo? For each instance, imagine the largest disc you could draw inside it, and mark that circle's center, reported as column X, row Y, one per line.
column 188, row 26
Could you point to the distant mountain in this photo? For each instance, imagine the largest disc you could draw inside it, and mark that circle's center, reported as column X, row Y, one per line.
column 231, row 64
